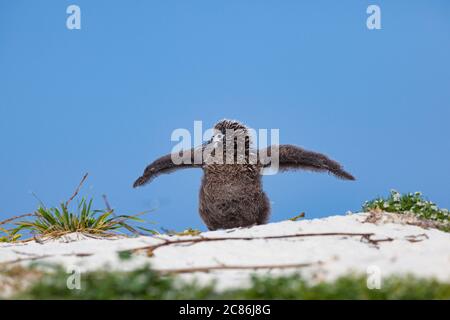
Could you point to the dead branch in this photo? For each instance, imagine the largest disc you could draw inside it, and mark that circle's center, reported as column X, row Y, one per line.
column 166, row 242
column 221, row 267
column 77, row 189
column 31, row 257
column 417, row 238
column 108, row 206
column 16, row 217
column 375, row 242
column 235, row 267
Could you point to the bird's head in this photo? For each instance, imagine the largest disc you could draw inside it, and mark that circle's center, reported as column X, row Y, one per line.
column 231, row 135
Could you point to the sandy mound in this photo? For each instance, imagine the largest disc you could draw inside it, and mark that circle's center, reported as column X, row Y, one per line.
column 321, row 249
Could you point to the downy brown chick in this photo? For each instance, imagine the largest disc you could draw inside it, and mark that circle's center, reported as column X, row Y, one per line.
column 231, row 193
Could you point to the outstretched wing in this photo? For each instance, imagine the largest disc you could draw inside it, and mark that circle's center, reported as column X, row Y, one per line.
column 293, row 157
column 166, row 165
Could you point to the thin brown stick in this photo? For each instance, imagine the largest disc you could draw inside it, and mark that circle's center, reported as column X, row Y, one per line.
column 235, row 267
column 24, row 259
column 77, row 189
column 16, row 217
column 180, row 270
column 375, row 242
column 108, row 206
column 167, row 242
column 31, row 257
column 417, row 238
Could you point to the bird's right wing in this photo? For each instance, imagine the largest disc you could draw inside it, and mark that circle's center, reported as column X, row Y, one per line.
column 166, row 165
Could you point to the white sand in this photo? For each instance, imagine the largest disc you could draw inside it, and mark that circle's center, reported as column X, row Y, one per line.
column 414, row 250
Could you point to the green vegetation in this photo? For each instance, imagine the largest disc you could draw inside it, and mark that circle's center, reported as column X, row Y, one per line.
column 352, row 287
column 53, row 222
column 6, row 236
column 298, row 217
column 187, row 232
column 58, row 221
column 145, row 283
column 413, row 203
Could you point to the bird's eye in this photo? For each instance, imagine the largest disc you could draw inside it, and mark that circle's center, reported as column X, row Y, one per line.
column 219, row 136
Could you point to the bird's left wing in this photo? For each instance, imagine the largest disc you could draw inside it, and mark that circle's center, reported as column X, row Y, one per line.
column 292, row 157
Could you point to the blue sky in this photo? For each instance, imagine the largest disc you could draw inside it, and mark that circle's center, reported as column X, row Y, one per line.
column 105, row 99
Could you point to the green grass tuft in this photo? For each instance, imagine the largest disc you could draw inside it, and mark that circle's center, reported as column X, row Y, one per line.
column 54, row 222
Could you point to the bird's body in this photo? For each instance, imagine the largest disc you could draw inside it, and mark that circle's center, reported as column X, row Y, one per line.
column 231, row 194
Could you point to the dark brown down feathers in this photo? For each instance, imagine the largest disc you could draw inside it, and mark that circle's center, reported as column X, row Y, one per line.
column 231, row 195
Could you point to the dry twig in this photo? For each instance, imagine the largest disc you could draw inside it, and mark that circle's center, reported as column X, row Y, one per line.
column 16, row 217
column 150, row 249
column 77, row 190
column 235, row 267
